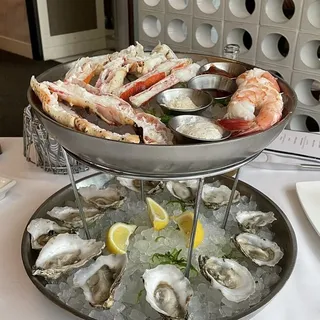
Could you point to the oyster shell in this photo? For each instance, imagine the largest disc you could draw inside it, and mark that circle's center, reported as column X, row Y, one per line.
column 64, row 253
column 185, row 191
column 100, row 280
column 233, row 280
column 261, row 251
column 250, row 221
column 215, row 197
column 102, row 198
column 167, row 291
column 70, row 217
column 150, row 187
column 42, row 230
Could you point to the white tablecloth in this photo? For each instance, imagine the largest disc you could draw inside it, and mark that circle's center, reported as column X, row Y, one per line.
column 19, row 299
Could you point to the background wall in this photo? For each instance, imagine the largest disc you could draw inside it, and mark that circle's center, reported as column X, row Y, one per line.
column 278, row 35
column 14, row 28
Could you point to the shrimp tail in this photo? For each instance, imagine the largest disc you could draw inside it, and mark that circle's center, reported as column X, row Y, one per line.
column 236, row 124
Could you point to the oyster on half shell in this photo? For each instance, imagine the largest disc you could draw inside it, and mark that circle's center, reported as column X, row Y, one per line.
column 250, row 221
column 261, row 251
column 64, row 253
column 100, row 280
column 42, row 230
column 216, row 197
column 150, row 187
column 70, row 217
column 168, row 291
column 233, row 280
column 109, row 197
column 185, row 191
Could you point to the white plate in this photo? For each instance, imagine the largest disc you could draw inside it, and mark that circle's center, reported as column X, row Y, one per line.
column 309, row 196
column 5, row 185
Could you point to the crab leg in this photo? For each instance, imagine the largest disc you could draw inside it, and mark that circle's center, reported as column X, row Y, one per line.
column 146, row 81
column 115, row 80
column 164, row 49
column 113, row 110
column 108, row 107
column 109, row 67
column 142, row 67
column 64, row 115
column 180, row 75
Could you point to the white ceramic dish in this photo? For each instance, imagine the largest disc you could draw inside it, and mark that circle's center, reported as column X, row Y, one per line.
column 309, row 196
column 5, row 185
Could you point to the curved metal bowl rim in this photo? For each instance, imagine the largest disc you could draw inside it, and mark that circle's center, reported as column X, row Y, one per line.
column 284, row 277
column 43, row 114
column 197, row 175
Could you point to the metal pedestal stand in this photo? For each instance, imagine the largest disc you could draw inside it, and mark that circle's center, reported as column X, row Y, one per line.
column 197, row 202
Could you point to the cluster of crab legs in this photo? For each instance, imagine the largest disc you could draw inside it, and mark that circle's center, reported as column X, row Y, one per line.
column 110, row 98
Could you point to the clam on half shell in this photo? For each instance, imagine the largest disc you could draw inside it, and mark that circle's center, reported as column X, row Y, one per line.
column 102, row 198
column 168, row 291
column 70, row 217
column 216, row 197
column 64, row 253
column 100, row 280
column 251, row 221
column 150, row 187
column 261, row 251
column 228, row 276
column 42, row 230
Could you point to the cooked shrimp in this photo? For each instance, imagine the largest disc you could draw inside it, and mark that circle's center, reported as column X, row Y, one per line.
column 256, row 106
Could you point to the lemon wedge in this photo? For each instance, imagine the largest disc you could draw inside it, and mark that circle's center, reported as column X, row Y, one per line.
column 158, row 216
column 185, row 222
column 118, row 236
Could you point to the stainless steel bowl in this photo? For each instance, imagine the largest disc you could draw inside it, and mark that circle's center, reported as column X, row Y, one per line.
column 284, row 236
column 176, row 122
column 233, row 68
column 200, row 98
column 161, row 161
column 213, row 82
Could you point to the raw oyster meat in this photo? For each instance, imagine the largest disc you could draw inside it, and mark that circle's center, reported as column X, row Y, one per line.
column 64, row 253
column 168, row 291
column 150, row 187
column 228, row 276
column 100, row 280
column 261, row 251
column 215, row 197
column 42, row 230
column 250, row 221
column 102, row 198
column 70, row 217
column 185, row 191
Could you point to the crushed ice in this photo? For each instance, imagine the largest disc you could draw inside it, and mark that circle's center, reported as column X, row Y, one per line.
column 206, row 303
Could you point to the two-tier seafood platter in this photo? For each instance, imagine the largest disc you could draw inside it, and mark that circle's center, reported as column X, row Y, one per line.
column 164, row 236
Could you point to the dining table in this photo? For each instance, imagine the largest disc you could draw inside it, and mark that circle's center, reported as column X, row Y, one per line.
column 299, row 299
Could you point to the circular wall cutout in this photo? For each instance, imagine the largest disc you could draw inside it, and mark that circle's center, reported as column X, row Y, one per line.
column 280, row 11
column 208, row 6
column 313, row 14
column 178, row 4
column 240, row 37
column 308, row 91
column 207, row 35
column 151, row 3
column 304, row 123
column 242, row 8
column 177, row 30
column 151, row 25
column 275, row 46
column 309, row 54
